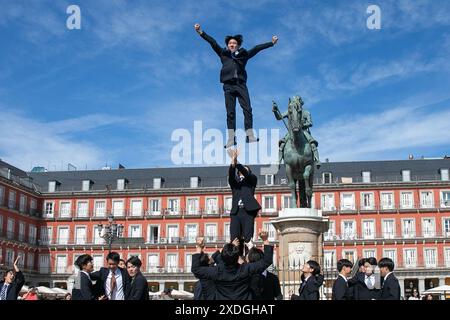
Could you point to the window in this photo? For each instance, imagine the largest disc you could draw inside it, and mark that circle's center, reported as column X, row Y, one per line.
column 121, row 184
column 117, row 208
column 430, row 258
column 211, row 206
column 191, row 233
column 331, row 233
column 211, row 232
column 9, row 257
column 2, row 196
column 86, row 185
column 61, row 264
column 368, row 229
column 12, row 200
column 269, row 204
column 349, row 255
column 327, row 178
column 134, row 231
column 327, row 202
column 329, row 260
column 64, row 209
column 409, row 228
column 157, row 183
column 63, row 235
column 366, row 176
column 226, row 231
column 33, row 206
column 269, row 179
column 51, row 186
column 32, row 231
column 44, row 263
column 21, row 231
column 97, row 238
column 172, row 234
column 391, row 254
column 347, row 201
column 23, row 203
column 10, row 229
column 406, row 200
column 153, row 234
column 286, row 201
column 152, row 263
column 172, row 262
column 410, row 258
column 46, row 235
column 387, row 200
column 229, row 204
column 174, row 206
column 426, row 199
column 388, row 229
column 267, row 226
column 100, row 208
column 367, row 201
column 406, row 175
column 194, row 182
column 48, row 209
column 444, row 175
column 445, row 226
column 368, row 253
column 428, row 228
column 136, row 208
column 98, row 262
column 80, row 235
column 349, row 228
column 30, row 261
column 82, row 209
column 445, row 199
column 447, row 257
column 188, row 262
column 155, row 206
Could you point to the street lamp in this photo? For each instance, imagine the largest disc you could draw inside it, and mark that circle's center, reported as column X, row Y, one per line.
column 112, row 232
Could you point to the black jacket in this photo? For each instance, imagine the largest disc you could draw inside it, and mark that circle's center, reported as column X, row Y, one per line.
column 340, row 289
column 244, row 190
column 138, row 288
column 83, row 289
column 310, row 289
column 14, row 288
column 232, row 282
column 390, row 289
column 101, row 275
column 266, row 287
column 359, row 290
column 233, row 65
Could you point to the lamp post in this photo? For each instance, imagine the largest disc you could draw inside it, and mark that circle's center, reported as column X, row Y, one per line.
column 112, row 232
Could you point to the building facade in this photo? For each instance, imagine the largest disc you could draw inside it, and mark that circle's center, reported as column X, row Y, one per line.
column 396, row 209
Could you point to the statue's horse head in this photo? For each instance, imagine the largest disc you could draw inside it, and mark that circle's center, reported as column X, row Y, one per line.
column 295, row 113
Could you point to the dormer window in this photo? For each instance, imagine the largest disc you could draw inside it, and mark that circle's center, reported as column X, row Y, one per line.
column 157, row 183
column 406, row 175
column 366, row 177
column 444, row 174
column 195, row 182
column 53, row 186
column 122, row 184
column 269, row 179
column 327, row 178
column 86, row 185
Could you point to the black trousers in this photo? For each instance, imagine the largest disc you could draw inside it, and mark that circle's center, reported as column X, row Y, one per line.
column 239, row 91
column 242, row 225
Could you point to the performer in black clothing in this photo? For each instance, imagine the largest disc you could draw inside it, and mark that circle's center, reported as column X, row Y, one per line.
column 82, row 289
column 205, row 289
column 390, row 288
column 340, row 286
column 366, row 286
column 244, row 205
column 138, row 288
column 312, row 280
column 234, row 79
column 12, row 282
column 266, row 285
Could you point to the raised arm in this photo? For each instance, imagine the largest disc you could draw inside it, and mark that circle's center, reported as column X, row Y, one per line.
column 217, row 49
column 253, row 51
column 277, row 112
column 199, row 271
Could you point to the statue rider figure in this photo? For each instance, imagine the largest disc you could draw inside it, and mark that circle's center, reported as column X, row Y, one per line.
column 306, row 122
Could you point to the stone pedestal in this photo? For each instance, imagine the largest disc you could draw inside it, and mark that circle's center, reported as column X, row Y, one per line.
column 300, row 239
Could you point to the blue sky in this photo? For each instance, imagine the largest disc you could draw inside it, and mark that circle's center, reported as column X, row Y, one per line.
column 114, row 91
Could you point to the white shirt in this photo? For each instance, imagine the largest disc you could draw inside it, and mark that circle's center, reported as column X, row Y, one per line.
column 385, row 277
column 118, row 292
column 264, row 273
column 5, row 285
column 370, row 281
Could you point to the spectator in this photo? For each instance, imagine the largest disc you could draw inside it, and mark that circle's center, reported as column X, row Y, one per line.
column 12, row 283
column 340, row 286
column 32, row 294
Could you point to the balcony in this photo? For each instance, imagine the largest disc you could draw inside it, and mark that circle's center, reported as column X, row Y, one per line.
column 382, row 237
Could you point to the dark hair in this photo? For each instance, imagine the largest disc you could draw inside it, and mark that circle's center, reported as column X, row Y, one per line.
column 361, row 262
column 315, row 266
column 386, row 262
column 255, row 254
column 230, row 254
column 114, row 256
column 372, row 261
column 204, row 259
column 83, row 260
column 239, row 39
column 135, row 261
column 344, row 263
column 122, row 260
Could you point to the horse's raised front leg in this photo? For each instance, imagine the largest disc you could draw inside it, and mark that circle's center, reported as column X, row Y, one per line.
column 308, row 188
column 292, row 186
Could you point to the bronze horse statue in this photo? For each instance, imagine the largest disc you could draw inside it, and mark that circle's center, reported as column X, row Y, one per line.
column 297, row 153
